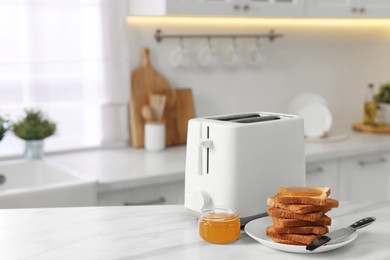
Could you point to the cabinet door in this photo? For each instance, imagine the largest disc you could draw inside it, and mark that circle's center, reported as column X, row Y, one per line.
column 250, row 8
column 323, row 174
column 205, row 7
column 165, row 193
column 365, row 177
column 376, row 8
column 276, row 8
column 348, row 8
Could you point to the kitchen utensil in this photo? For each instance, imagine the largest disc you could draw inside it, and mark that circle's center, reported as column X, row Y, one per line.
column 185, row 110
column 145, row 81
column 340, row 234
column 256, row 230
column 147, row 113
column 157, row 103
column 229, row 162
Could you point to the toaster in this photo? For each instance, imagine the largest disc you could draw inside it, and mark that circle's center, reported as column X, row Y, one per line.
column 239, row 160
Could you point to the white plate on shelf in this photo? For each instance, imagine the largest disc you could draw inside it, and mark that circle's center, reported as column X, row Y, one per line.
column 256, row 230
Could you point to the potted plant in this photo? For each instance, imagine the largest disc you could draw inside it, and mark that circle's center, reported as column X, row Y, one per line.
column 34, row 128
column 383, row 100
column 3, row 127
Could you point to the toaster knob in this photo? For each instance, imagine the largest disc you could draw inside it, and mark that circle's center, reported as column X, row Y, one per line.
column 201, row 200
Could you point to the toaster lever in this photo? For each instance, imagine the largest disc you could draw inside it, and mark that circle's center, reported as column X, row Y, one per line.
column 203, row 144
column 206, row 144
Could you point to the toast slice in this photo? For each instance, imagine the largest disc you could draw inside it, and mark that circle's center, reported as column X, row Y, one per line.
column 282, row 213
column 298, row 238
column 302, row 195
column 284, row 241
column 302, row 208
column 285, row 222
column 306, row 230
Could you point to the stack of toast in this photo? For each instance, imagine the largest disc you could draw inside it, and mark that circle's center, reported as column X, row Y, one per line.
column 299, row 214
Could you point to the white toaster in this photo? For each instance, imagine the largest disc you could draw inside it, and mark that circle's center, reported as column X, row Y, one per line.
column 239, row 160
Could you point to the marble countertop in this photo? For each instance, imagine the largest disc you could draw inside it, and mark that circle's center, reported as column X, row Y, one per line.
column 162, row 232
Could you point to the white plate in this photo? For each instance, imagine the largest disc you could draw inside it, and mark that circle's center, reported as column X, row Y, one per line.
column 256, row 230
column 317, row 119
column 303, row 100
column 315, row 113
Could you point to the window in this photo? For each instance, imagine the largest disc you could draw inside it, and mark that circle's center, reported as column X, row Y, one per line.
column 67, row 58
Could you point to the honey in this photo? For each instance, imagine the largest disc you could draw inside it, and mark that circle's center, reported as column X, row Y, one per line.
column 219, row 225
column 300, row 191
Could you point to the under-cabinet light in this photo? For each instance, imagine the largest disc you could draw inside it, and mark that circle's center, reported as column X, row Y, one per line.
column 233, row 21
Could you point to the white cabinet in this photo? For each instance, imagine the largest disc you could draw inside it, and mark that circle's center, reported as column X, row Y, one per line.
column 348, row 8
column 246, row 8
column 365, row 177
column 166, row 193
column 324, row 173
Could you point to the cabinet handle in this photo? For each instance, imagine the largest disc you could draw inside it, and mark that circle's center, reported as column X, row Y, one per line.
column 315, row 170
column 149, row 202
column 375, row 161
column 354, row 10
column 247, row 7
column 236, row 7
column 362, row 10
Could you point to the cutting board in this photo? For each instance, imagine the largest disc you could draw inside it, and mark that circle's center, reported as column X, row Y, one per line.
column 145, row 81
column 370, row 129
column 185, row 110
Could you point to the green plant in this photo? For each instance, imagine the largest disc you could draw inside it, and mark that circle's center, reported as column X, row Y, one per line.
column 4, row 126
column 383, row 94
column 34, row 126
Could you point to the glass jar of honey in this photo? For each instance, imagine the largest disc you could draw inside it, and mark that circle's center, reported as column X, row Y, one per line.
column 219, row 225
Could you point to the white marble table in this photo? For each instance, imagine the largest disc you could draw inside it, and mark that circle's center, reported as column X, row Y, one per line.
column 162, row 232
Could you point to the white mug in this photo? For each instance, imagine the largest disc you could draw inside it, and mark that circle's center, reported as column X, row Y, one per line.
column 154, row 135
column 180, row 58
column 206, row 57
column 231, row 57
column 255, row 56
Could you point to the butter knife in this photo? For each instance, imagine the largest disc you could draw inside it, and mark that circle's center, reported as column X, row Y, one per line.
column 339, row 234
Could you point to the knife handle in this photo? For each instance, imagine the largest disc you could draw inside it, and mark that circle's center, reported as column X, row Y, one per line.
column 363, row 222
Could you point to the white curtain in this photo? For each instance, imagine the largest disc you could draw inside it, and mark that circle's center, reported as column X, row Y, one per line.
column 69, row 59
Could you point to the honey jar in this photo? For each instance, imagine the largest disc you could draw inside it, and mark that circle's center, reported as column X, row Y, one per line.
column 219, row 225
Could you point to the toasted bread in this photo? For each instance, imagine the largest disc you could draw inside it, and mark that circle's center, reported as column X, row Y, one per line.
column 285, row 222
column 314, row 230
column 281, row 213
column 285, row 241
column 302, row 208
column 298, row 238
column 302, row 195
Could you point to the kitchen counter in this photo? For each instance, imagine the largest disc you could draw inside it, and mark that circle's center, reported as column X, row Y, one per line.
column 125, row 168
column 162, row 232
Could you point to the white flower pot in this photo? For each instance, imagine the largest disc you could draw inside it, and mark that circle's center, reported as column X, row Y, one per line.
column 385, row 113
column 33, row 149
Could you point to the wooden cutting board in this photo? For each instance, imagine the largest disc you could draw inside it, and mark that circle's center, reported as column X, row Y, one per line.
column 145, row 81
column 370, row 129
column 185, row 110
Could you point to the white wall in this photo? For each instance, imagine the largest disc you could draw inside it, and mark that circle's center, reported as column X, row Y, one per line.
column 333, row 60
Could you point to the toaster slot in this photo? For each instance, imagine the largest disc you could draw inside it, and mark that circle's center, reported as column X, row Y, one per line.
column 208, row 152
column 256, row 119
column 235, row 117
